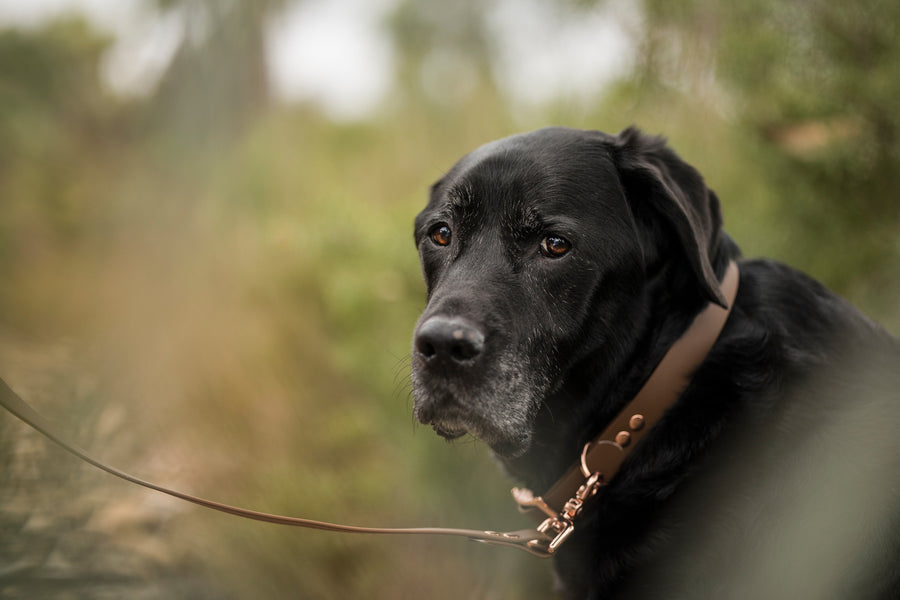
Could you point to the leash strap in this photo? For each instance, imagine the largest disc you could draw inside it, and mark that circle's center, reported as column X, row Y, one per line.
column 561, row 505
column 530, row 540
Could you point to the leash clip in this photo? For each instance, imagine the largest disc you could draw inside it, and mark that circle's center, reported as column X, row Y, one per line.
column 562, row 525
column 559, row 525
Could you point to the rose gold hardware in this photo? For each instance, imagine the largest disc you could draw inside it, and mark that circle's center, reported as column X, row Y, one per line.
column 585, row 469
column 561, row 526
column 636, row 422
column 623, row 438
column 526, row 499
column 584, row 452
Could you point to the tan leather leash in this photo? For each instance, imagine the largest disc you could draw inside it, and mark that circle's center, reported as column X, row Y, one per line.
column 14, row 404
column 562, row 503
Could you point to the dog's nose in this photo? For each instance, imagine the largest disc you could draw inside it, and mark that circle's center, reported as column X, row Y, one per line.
column 448, row 340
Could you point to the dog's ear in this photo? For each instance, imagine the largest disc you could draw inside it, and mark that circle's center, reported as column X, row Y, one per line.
column 656, row 179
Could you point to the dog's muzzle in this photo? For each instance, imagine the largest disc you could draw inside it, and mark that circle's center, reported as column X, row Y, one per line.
column 447, row 351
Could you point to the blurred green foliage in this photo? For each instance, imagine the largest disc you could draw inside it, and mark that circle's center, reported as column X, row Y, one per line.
column 217, row 292
column 813, row 86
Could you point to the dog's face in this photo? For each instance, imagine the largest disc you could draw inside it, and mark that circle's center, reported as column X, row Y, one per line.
column 534, row 259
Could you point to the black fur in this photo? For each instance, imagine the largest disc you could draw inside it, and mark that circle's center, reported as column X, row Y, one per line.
column 535, row 354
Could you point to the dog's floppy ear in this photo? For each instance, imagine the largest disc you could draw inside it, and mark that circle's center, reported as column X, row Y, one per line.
column 656, row 179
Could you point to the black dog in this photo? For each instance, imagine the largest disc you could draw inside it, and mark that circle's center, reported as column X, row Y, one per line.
column 561, row 265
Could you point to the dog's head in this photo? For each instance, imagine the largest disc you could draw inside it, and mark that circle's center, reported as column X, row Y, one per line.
column 537, row 252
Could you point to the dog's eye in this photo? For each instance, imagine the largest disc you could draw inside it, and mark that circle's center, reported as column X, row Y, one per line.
column 554, row 246
column 440, row 234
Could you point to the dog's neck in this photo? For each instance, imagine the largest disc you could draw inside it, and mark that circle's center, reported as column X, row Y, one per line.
column 608, row 381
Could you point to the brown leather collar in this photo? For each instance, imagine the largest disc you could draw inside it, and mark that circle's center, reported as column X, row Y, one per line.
column 562, row 504
column 603, row 456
